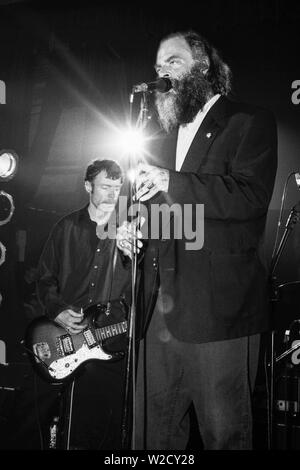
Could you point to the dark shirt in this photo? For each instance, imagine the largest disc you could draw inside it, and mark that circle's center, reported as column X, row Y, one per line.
column 75, row 268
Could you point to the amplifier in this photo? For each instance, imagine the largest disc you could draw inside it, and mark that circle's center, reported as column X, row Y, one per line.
column 287, row 393
column 287, row 437
column 287, row 416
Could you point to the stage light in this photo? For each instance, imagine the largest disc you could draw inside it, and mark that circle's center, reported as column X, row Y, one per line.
column 132, row 174
column 8, row 164
column 6, row 211
column 131, row 142
column 2, row 253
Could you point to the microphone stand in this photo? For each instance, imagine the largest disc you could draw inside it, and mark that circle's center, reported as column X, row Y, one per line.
column 128, row 419
column 293, row 218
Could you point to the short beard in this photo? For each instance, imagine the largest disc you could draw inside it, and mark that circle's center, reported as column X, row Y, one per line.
column 181, row 104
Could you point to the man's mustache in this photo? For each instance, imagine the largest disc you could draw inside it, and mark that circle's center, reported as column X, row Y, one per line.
column 109, row 201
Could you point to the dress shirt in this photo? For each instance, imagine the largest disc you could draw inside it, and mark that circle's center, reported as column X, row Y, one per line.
column 187, row 132
column 75, row 268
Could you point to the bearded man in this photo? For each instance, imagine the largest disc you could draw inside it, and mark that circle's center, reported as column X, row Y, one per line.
column 202, row 342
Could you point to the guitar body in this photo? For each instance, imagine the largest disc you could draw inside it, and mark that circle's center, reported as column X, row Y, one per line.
column 57, row 354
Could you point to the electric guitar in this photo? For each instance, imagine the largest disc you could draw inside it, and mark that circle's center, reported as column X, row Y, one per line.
column 56, row 354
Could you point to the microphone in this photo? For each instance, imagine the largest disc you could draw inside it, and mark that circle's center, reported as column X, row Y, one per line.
column 161, row 84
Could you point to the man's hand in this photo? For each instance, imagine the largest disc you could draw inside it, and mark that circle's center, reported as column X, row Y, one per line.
column 71, row 321
column 128, row 238
column 150, row 180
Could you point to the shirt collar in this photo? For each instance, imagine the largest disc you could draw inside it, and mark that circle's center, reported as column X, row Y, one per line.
column 202, row 112
column 207, row 107
column 84, row 215
column 210, row 103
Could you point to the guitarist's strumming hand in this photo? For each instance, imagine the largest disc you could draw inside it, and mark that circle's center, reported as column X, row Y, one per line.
column 71, row 321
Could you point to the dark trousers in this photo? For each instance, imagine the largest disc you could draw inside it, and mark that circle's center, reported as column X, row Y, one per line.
column 97, row 407
column 217, row 377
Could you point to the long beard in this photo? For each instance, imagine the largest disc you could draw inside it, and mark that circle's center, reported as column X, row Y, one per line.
column 181, row 104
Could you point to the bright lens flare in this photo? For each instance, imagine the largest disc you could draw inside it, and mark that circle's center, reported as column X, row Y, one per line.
column 131, row 142
column 132, row 174
column 125, row 143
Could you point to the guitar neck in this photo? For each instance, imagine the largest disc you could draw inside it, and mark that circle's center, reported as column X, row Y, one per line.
column 110, row 331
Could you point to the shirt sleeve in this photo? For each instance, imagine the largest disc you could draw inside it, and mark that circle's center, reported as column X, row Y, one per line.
column 48, row 291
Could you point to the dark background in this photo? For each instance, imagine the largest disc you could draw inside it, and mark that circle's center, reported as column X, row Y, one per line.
column 68, row 68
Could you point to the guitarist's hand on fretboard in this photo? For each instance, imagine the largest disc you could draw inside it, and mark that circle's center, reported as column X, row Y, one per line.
column 72, row 321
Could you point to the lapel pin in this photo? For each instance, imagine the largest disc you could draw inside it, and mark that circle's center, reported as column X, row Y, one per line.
column 208, row 135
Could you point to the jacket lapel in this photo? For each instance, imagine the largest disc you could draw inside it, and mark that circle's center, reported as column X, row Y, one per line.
column 209, row 129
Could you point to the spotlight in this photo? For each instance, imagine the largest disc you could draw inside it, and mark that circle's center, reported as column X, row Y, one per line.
column 131, row 141
column 8, row 164
column 7, row 207
column 2, row 255
column 125, row 143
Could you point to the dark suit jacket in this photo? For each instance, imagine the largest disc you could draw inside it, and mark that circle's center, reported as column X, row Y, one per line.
column 219, row 291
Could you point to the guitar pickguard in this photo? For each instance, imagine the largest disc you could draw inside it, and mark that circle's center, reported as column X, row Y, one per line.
column 63, row 367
